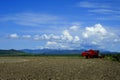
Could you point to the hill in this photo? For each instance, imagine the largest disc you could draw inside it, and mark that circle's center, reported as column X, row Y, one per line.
column 11, row 52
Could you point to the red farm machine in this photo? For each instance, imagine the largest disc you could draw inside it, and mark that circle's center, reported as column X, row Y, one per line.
column 92, row 54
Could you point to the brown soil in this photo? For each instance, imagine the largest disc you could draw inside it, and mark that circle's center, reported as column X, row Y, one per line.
column 58, row 68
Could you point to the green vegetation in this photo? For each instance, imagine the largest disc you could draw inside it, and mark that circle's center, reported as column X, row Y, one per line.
column 12, row 52
column 113, row 57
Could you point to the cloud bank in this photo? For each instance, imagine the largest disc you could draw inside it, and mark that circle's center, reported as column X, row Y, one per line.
column 96, row 37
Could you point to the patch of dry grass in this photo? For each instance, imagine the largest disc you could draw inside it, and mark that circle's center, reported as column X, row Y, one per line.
column 57, row 68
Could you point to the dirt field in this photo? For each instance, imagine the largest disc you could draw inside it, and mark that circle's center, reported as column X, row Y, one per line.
column 58, row 68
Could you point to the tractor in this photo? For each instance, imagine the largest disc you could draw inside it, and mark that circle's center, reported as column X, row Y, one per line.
column 91, row 54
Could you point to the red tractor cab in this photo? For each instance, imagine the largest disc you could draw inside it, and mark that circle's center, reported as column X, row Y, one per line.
column 91, row 54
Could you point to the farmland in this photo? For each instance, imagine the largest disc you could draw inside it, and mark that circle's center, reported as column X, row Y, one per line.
column 58, row 68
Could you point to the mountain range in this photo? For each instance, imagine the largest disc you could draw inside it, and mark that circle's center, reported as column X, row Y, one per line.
column 52, row 51
column 47, row 52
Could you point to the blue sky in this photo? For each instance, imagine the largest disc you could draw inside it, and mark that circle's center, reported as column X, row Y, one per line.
column 60, row 24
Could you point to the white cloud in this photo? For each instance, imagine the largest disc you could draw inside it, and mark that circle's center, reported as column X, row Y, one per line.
column 96, row 30
column 110, row 18
column 51, row 43
column 85, row 35
column 76, row 39
column 86, row 4
column 97, row 37
column 54, row 45
column 97, row 7
column 13, row 35
column 74, row 28
column 37, row 37
column 26, row 36
column 66, row 35
column 31, row 19
column 117, row 40
column 45, row 37
column 94, row 43
column 56, row 37
column 105, row 11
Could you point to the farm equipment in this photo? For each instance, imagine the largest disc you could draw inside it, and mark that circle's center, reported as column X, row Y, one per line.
column 92, row 54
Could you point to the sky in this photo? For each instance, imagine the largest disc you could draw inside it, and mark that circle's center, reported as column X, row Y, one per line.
column 60, row 24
